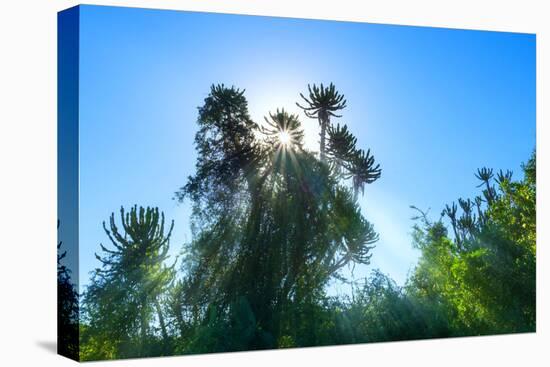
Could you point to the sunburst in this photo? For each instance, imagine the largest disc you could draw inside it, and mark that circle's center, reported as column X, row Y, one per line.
column 284, row 138
column 284, row 130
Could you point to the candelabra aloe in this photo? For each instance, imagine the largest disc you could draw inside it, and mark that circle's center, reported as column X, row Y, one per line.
column 283, row 130
column 134, row 269
column 344, row 158
column 322, row 103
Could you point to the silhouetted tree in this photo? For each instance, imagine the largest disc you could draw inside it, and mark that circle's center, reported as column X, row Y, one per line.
column 344, row 157
column 289, row 228
column 283, row 130
column 322, row 103
column 226, row 154
column 67, row 309
column 273, row 224
column 122, row 303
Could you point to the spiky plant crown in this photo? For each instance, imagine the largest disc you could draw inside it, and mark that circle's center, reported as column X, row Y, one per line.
column 341, row 143
column 281, row 121
column 143, row 239
column 322, row 102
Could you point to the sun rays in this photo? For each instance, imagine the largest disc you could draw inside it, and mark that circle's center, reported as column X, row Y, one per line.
column 283, row 130
column 284, row 138
column 283, row 134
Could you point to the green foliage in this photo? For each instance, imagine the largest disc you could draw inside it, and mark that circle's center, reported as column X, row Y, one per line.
column 273, row 225
column 226, row 154
column 483, row 280
column 122, row 303
column 480, row 281
column 294, row 228
column 383, row 311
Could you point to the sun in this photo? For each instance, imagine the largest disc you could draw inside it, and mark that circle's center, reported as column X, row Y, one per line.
column 284, row 138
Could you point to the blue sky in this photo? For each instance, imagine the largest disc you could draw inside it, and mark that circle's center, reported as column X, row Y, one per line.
column 432, row 104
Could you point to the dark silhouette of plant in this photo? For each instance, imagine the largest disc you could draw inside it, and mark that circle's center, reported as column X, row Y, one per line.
column 363, row 170
column 226, row 152
column 341, row 148
column 322, row 103
column 349, row 162
column 67, row 309
column 283, row 130
column 345, row 159
column 288, row 228
column 485, row 175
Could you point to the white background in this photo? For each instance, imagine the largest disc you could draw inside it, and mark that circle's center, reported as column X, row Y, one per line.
column 28, row 182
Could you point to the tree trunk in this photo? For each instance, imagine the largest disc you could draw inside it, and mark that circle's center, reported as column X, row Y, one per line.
column 181, row 323
column 161, row 320
column 143, row 328
column 323, row 132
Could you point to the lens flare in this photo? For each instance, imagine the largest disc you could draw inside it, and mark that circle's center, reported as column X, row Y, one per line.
column 284, row 138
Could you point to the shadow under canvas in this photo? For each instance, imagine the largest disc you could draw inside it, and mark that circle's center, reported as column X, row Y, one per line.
column 48, row 345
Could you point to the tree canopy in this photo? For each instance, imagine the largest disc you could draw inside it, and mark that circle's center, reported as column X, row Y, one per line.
column 273, row 224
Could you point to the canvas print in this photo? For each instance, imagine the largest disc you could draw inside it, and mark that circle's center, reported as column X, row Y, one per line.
column 237, row 183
